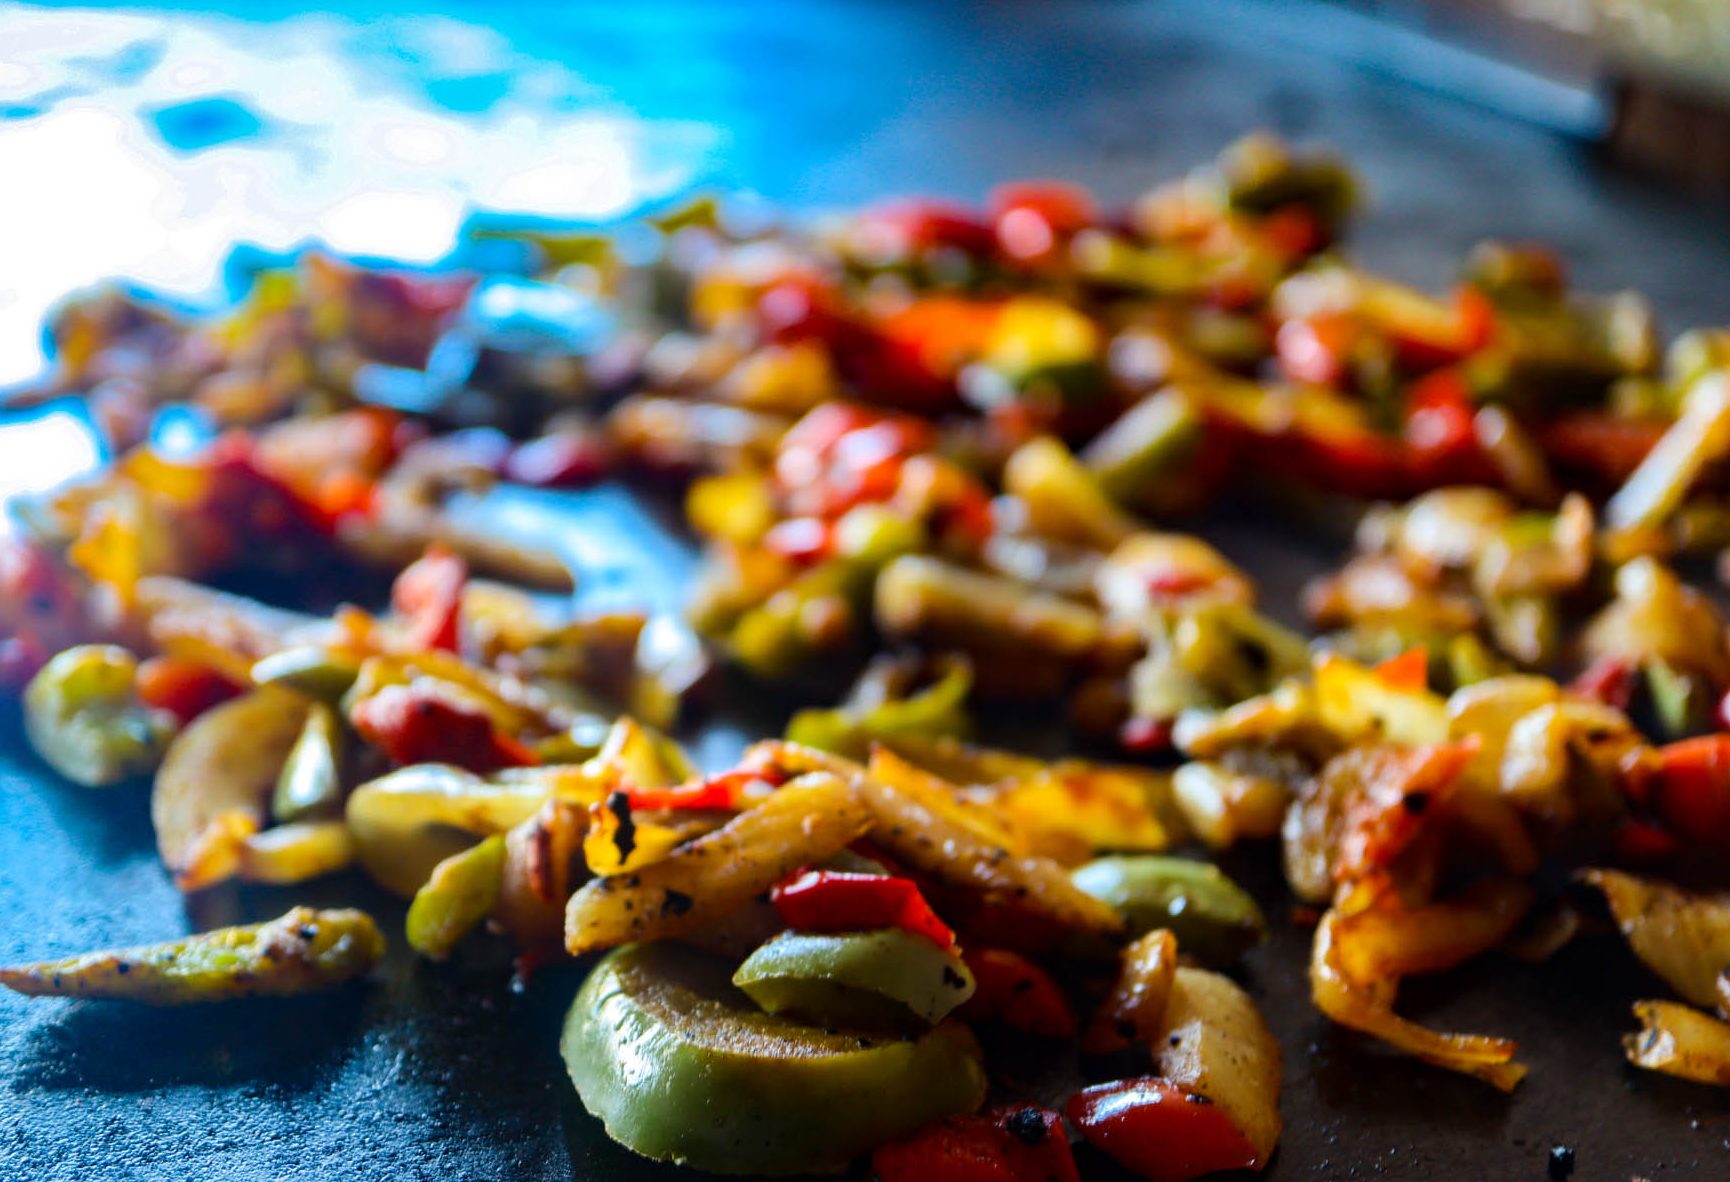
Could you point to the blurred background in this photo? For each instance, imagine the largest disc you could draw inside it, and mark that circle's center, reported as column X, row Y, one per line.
column 179, row 146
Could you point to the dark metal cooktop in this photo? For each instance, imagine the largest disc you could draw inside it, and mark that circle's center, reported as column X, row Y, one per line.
column 445, row 1073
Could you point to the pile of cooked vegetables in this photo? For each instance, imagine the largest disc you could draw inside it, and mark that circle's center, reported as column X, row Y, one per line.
column 937, row 459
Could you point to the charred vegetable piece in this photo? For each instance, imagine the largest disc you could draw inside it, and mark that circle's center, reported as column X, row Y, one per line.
column 880, row 980
column 406, row 823
column 1134, row 1010
column 83, row 716
column 215, row 782
column 1011, row 1144
column 1215, row 1044
column 1160, row 1130
column 310, row 783
column 420, row 724
column 658, row 1035
column 1683, row 937
column 805, row 822
column 302, row 952
column 1681, row 1042
column 1012, row 990
column 1209, row 914
column 1389, row 940
column 1370, row 1009
column 461, row 893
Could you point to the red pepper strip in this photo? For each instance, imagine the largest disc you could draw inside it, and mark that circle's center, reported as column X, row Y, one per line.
column 1362, row 464
column 428, row 594
column 184, row 688
column 1479, row 320
column 1011, row 989
column 1609, row 680
column 1388, row 812
column 1317, row 349
column 1003, row 1145
column 837, row 901
column 344, row 494
column 1641, row 841
column 923, row 224
column 724, row 791
column 1598, row 443
column 802, row 308
column 1690, row 789
column 801, row 540
column 1409, row 671
column 1145, row 736
column 1294, row 231
column 1159, row 1130
column 1441, row 435
column 412, row 724
column 249, row 501
column 1175, row 584
column 1032, row 219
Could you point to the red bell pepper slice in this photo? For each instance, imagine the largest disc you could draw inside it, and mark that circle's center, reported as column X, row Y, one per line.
column 1294, row 231
column 1643, row 842
column 1690, row 789
column 1031, row 219
column 1317, row 349
column 920, row 224
column 1599, row 443
column 1609, row 680
column 1011, row 989
column 184, row 688
column 1409, row 671
column 838, row 901
column 1145, row 736
column 1439, row 424
column 801, row 540
column 412, row 724
column 428, row 594
column 724, row 791
column 1159, row 1130
column 1010, row 1144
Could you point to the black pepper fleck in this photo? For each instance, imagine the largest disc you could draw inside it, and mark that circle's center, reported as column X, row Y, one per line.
column 1561, row 1164
column 676, row 903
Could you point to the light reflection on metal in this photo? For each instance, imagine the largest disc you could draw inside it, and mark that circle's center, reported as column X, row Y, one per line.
column 155, row 143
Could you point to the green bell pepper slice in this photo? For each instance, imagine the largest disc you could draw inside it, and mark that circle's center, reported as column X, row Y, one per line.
column 1211, row 916
column 83, row 716
column 680, row 1066
column 310, row 785
column 881, row 980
